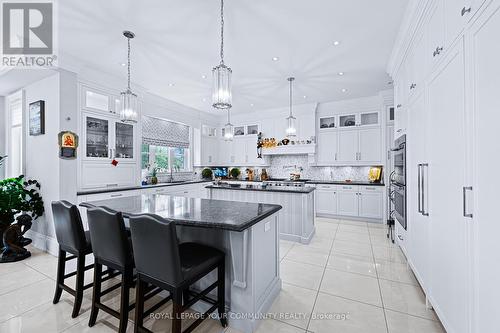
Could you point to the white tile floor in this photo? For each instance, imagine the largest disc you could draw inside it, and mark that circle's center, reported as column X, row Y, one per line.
column 349, row 271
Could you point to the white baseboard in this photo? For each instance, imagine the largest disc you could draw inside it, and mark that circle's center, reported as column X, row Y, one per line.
column 43, row 242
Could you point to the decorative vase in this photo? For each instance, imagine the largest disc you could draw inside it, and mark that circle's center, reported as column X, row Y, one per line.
column 154, row 180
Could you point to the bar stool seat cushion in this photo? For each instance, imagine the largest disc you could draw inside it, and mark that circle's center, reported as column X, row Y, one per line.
column 197, row 258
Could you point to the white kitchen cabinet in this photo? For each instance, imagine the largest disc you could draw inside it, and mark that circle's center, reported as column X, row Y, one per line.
column 400, row 120
column 95, row 174
column 418, row 223
column 371, row 202
column 370, row 145
column 209, row 150
column 348, row 201
column 327, row 147
column 482, row 201
column 326, row 199
column 348, row 145
column 446, row 172
column 436, row 33
column 416, row 68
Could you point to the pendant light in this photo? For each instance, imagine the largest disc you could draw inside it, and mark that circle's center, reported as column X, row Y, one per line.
column 128, row 112
column 221, row 74
column 228, row 128
column 291, row 126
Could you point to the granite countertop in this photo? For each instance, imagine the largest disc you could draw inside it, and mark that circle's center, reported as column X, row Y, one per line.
column 342, row 182
column 194, row 212
column 140, row 187
column 252, row 187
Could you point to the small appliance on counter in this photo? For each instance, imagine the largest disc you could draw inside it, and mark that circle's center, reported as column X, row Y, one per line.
column 250, row 174
column 375, row 174
column 263, row 175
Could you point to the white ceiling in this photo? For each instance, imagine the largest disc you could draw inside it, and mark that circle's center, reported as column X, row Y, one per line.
column 177, row 42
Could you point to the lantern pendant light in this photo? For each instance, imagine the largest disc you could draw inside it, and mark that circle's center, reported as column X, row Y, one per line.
column 291, row 126
column 228, row 128
column 221, row 74
column 128, row 112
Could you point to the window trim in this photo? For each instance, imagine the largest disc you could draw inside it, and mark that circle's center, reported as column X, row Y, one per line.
column 187, row 160
column 18, row 95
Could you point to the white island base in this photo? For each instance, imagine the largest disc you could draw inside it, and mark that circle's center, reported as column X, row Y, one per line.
column 252, row 269
column 296, row 216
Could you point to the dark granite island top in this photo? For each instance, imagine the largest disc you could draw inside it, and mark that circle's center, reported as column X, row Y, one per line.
column 253, row 187
column 195, row 212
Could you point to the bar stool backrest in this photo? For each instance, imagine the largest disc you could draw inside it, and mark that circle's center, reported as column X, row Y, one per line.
column 109, row 238
column 68, row 224
column 156, row 249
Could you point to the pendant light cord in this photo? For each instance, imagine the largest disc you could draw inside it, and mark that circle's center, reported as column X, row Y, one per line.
column 128, row 63
column 290, row 79
column 222, row 32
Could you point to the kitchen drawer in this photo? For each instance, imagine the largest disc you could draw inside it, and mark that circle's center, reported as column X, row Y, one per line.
column 326, row 187
column 371, row 189
column 112, row 195
column 348, row 188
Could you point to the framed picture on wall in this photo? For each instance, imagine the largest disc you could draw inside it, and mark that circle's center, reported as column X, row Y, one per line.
column 37, row 118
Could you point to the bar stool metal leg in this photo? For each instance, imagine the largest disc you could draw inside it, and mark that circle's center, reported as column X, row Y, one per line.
column 61, row 266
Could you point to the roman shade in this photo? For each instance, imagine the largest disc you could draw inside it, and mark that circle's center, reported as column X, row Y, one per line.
column 160, row 132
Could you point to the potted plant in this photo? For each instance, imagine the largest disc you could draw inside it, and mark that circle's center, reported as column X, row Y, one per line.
column 20, row 201
column 235, row 173
column 206, row 173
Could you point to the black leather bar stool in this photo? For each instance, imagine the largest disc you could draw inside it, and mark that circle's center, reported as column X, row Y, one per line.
column 74, row 240
column 112, row 247
column 163, row 262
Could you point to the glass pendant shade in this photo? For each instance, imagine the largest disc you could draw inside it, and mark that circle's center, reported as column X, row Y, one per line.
column 128, row 112
column 221, row 96
column 291, row 126
column 228, row 132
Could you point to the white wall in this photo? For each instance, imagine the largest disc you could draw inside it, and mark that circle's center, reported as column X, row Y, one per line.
column 3, row 130
column 42, row 162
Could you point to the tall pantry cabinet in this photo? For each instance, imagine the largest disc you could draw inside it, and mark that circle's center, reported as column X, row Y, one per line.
column 447, row 78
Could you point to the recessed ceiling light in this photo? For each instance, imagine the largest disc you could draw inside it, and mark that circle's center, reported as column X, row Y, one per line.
column 341, row 73
column 305, row 96
column 203, row 76
column 204, row 100
column 336, row 43
column 276, row 58
column 171, row 84
column 251, row 104
column 344, row 90
column 123, row 64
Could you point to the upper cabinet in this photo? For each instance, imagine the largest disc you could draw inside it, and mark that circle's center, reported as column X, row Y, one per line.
column 96, row 100
column 356, row 140
column 436, row 33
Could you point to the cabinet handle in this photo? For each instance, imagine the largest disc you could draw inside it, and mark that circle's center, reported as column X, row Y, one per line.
column 465, row 189
column 466, row 10
column 359, row 156
column 115, row 195
column 335, row 156
column 437, row 51
column 388, row 155
column 413, row 86
column 399, row 130
column 419, row 190
column 398, row 106
column 110, row 185
column 424, row 212
column 400, row 237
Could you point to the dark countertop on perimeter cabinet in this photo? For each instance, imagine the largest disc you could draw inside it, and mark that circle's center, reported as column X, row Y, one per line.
column 140, row 187
column 193, row 212
column 253, row 187
column 341, row 182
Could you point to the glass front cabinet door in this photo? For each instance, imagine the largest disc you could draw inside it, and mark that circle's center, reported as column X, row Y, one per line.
column 108, row 138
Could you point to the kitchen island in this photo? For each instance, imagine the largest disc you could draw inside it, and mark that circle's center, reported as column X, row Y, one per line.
column 246, row 232
column 297, row 215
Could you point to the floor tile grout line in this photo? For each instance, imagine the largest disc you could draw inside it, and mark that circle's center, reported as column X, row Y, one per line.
column 321, row 280
column 380, row 289
column 24, row 286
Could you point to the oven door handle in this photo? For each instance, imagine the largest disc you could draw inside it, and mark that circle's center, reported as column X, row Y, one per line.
column 419, row 182
column 424, row 211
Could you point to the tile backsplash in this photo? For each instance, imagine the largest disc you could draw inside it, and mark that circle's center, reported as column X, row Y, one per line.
column 282, row 165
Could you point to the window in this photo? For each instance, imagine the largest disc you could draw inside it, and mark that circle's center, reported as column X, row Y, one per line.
column 15, row 135
column 165, row 158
